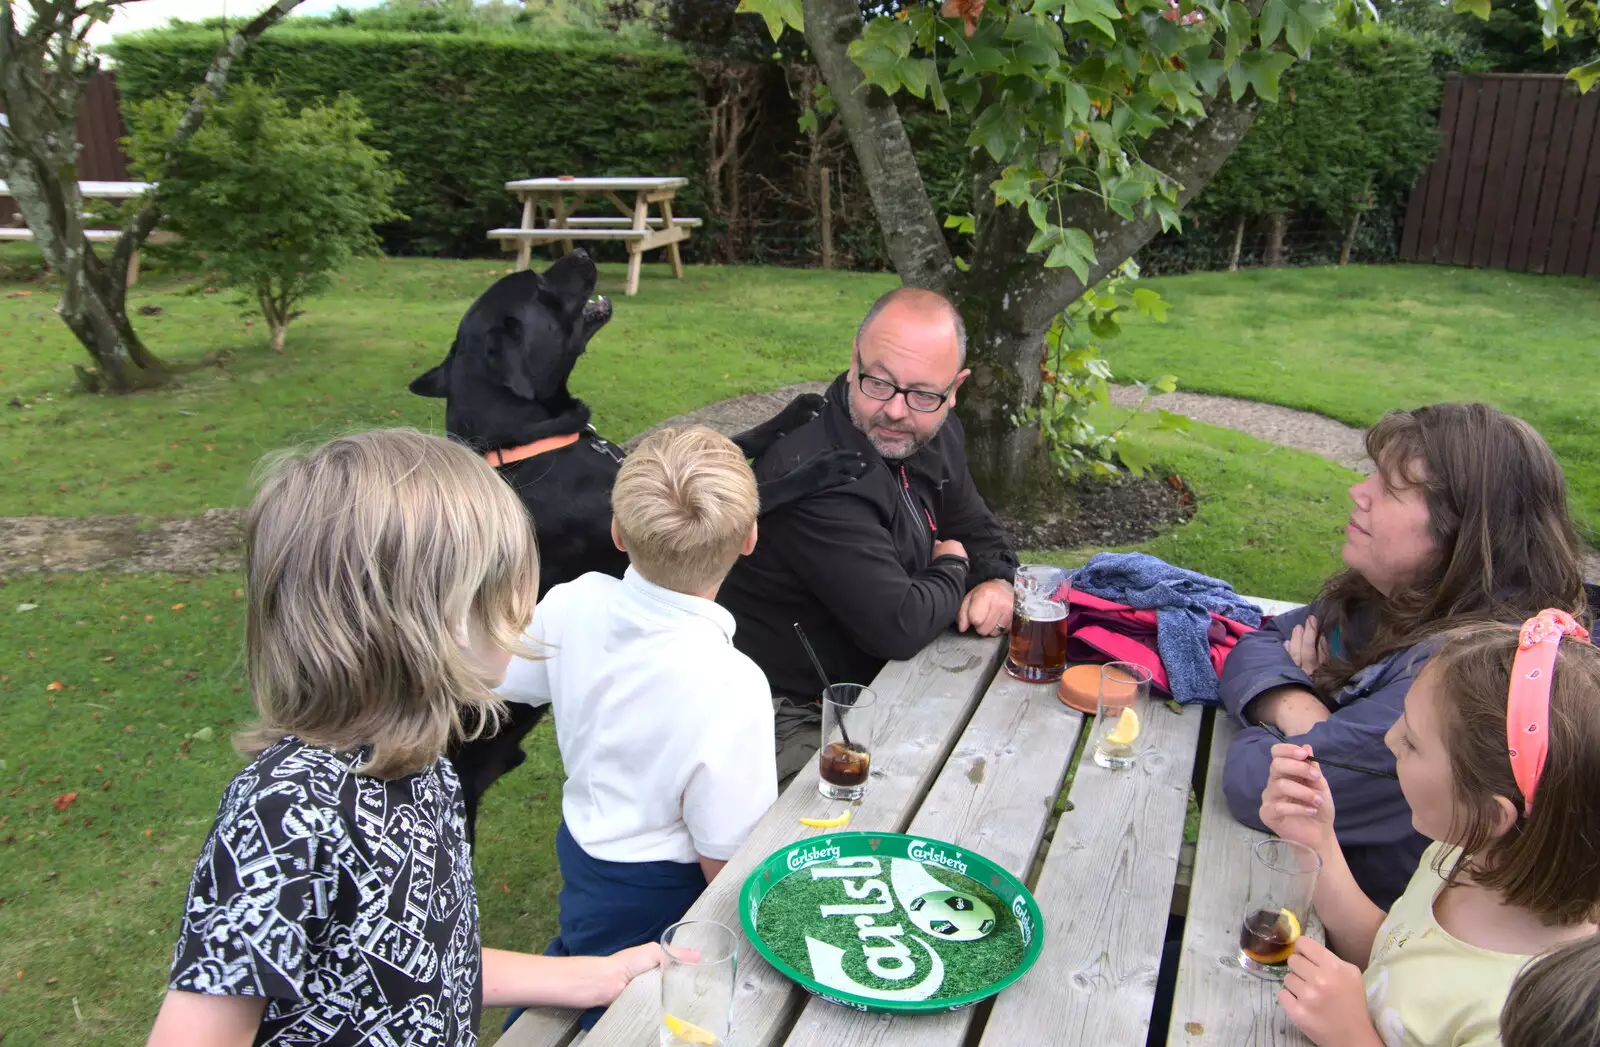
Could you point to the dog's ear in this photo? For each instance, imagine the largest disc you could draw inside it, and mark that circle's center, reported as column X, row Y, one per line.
column 435, row 382
column 507, row 360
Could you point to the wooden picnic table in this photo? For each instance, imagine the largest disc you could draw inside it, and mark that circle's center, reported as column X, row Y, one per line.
column 968, row 755
column 635, row 225
column 92, row 190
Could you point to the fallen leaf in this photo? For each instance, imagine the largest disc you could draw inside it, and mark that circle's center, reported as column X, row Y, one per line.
column 203, row 734
column 505, row 888
column 149, row 617
column 51, row 981
column 64, row 801
column 147, row 832
column 177, row 607
column 55, row 685
column 22, row 608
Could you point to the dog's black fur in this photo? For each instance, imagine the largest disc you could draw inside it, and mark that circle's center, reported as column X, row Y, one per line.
column 505, row 383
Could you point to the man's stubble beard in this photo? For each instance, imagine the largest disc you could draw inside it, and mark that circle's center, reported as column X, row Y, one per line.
column 892, row 454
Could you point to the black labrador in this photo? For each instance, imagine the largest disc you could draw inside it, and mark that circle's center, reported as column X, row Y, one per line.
column 505, row 383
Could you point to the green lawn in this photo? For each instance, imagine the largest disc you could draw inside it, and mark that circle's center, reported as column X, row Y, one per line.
column 1354, row 342
column 149, row 690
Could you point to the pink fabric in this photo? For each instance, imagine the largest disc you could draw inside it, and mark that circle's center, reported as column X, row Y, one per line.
column 1528, row 701
column 1100, row 630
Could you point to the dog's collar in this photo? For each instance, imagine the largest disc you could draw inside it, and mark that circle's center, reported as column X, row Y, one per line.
column 508, row 455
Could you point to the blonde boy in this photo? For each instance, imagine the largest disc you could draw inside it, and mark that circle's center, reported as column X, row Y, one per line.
column 665, row 728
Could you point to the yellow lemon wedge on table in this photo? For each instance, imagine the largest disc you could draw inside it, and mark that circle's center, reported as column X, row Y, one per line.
column 827, row 823
column 687, row 1032
column 1127, row 729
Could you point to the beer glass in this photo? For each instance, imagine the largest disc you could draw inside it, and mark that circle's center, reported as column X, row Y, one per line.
column 698, row 963
column 1120, row 714
column 845, row 759
column 1282, row 879
column 1038, row 651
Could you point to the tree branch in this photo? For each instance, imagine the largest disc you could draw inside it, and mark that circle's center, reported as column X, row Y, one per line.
column 909, row 224
column 1189, row 155
column 210, row 90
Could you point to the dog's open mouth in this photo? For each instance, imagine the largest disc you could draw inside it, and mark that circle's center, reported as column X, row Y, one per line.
column 597, row 311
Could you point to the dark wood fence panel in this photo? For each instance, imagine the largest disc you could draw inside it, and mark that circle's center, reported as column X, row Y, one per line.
column 1516, row 182
column 100, row 130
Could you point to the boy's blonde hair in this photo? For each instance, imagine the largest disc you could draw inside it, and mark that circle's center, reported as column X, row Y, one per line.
column 367, row 560
column 684, row 504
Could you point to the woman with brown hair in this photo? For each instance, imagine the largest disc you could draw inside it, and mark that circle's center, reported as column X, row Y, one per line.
column 1464, row 518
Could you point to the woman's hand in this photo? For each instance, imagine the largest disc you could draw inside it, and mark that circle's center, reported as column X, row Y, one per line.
column 1326, row 998
column 1296, row 803
column 1306, row 647
column 627, row 965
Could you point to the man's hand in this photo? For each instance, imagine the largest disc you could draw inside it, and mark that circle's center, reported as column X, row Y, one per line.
column 987, row 608
column 1325, row 997
column 1306, row 647
column 949, row 547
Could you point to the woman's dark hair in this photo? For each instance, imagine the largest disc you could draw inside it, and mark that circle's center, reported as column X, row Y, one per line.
column 1497, row 511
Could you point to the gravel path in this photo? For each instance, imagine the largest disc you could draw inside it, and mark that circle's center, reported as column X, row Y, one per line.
column 210, row 541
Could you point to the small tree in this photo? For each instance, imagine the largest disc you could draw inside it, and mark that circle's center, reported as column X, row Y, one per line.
column 44, row 64
column 273, row 202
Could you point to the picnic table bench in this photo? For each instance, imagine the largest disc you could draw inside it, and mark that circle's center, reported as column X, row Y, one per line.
column 92, row 190
column 968, row 755
column 635, row 225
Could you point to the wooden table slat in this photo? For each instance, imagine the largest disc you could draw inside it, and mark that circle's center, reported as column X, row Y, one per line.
column 594, row 185
column 1217, row 1003
column 994, row 796
column 926, row 704
column 1106, row 890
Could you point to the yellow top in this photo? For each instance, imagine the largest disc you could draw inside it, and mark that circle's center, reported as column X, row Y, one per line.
column 1426, row 988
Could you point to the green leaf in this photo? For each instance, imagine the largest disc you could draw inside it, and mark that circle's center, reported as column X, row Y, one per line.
column 1150, row 303
column 1076, row 102
column 777, row 14
column 1172, row 423
column 962, row 264
column 1239, row 23
column 1273, row 14
column 1261, row 69
column 1015, row 185
column 998, row 130
column 1135, row 457
column 961, row 223
column 1305, row 23
column 1165, row 384
column 1098, row 13
column 1475, row 7
column 1586, row 75
column 915, row 76
column 936, row 86
column 808, row 121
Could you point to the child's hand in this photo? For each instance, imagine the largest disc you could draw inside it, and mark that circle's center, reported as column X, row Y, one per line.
column 1325, row 997
column 1296, row 803
column 627, row 965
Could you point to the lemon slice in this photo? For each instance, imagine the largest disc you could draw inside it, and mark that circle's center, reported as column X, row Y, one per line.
column 1291, row 923
column 827, row 823
column 1287, row 932
column 687, row 1032
column 1126, row 730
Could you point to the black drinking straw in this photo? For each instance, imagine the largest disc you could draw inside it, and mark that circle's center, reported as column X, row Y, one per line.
column 822, row 675
column 1276, row 732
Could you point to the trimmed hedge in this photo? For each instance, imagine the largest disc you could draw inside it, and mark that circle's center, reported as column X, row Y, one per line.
column 461, row 115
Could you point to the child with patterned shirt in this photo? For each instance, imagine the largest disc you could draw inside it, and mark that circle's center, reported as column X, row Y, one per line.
column 665, row 728
column 1498, row 753
column 389, row 577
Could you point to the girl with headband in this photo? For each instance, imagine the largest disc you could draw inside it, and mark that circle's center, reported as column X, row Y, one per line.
column 1498, row 754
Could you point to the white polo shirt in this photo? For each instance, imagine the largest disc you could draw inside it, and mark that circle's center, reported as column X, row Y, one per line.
column 665, row 728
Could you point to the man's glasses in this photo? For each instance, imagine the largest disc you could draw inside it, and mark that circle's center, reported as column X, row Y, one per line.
column 921, row 400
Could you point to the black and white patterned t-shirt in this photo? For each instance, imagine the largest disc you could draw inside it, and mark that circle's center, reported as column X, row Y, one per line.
column 345, row 900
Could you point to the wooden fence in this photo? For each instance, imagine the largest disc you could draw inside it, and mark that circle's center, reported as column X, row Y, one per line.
column 1516, row 182
column 100, row 128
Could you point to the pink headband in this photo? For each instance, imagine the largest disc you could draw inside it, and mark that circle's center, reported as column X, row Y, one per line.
column 1528, row 702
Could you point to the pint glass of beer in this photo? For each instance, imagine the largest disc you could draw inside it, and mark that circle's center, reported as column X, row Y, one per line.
column 1039, row 624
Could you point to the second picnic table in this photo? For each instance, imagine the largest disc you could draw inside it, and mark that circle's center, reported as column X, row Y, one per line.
column 968, row 755
column 634, row 225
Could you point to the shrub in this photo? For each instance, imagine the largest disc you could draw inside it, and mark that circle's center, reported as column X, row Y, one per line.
column 274, row 202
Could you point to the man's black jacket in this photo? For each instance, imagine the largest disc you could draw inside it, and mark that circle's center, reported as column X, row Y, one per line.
column 855, row 566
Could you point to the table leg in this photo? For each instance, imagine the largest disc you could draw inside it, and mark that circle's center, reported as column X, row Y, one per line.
column 641, row 225
column 672, row 248
column 530, row 217
column 563, row 208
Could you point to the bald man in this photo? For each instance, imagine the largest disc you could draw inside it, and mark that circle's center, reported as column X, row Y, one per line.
column 874, row 570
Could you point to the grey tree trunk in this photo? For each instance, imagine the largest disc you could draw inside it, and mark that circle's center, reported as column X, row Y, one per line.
column 43, row 69
column 1275, row 235
column 1238, row 244
column 1007, row 298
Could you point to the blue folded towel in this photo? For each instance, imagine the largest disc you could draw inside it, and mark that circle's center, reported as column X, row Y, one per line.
column 1183, row 602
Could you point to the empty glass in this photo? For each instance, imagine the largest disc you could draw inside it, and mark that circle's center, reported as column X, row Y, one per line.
column 698, row 965
column 1120, row 715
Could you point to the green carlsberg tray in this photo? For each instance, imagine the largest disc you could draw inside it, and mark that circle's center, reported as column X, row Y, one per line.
column 886, row 922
